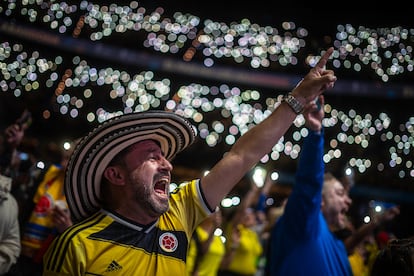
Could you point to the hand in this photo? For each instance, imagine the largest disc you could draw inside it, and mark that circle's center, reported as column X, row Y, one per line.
column 314, row 114
column 217, row 219
column 316, row 81
column 390, row 214
column 235, row 237
column 61, row 218
column 14, row 135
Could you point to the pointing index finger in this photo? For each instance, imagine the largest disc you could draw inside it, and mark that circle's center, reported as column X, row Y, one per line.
column 324, row 59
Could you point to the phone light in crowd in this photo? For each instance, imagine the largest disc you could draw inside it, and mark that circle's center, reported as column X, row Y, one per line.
column 40, row 165
column 270, row 201
column 378, row 209
column 218, row 232
column 66, row 145
column 349, row 176
column 229, row 202
column 349, row 171
column 274, row 176
column 380, row 206
column 24, row 156
column 173, row 186
column 259, row 176
column 367, row 219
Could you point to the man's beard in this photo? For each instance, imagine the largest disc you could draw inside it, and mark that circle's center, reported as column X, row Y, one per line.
column 154, row 203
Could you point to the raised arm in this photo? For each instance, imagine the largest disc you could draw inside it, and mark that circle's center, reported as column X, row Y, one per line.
column 258, row 141
column 366, row 229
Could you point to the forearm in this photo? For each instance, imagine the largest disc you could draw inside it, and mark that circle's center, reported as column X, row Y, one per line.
column 358, row 236
column 245, row 153
column 206, row 244
column 311, row 167
column 228, row 257
column 259, row 140
column 362, row 232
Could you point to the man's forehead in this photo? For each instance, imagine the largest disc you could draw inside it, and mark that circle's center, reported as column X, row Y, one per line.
column 337, row 186
column 334, row 184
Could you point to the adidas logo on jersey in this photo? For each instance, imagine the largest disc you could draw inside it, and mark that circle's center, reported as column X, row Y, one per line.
column 113, row 266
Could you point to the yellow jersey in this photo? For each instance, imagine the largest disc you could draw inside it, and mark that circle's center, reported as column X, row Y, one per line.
column 108, row 244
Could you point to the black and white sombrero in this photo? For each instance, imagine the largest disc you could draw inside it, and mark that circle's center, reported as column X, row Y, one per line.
column 94, row 152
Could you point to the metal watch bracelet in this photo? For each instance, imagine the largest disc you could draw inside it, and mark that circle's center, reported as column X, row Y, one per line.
column 296, row 106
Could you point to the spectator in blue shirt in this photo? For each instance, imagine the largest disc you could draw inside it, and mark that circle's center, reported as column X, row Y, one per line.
column 302, row 241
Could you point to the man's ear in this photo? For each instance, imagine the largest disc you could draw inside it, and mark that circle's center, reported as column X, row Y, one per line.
column 115, row 175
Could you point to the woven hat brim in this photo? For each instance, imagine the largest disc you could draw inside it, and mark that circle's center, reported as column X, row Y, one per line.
column 94, row 152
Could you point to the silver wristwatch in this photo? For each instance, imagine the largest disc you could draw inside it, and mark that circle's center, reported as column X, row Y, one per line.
column 296, row 106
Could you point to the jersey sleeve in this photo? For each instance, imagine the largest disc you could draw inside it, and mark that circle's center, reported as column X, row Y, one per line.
column 189, row 205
